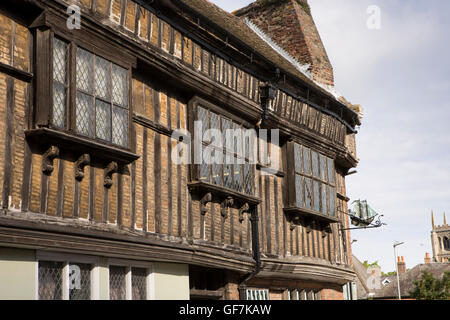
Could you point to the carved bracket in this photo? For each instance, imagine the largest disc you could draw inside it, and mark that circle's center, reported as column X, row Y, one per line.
column 244, row 209
column 292, row 226
column 47, row 160
column 109, row 171
column 225, row 205
column 326, row 230
column 295, row 222
column 308, row 228
column 82, row 162
column 203, row 202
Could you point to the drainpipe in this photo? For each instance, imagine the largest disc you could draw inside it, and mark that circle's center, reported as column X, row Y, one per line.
column 256, row 255
column 267, row 95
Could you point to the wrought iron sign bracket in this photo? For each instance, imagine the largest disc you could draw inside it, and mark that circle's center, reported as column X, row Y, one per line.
column 370, row 225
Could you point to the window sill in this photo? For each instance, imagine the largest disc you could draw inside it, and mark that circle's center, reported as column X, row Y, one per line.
column 296, row 214
column 223, row 193
column 67, row 141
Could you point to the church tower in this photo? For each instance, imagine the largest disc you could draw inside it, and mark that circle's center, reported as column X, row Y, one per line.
column 440, row 240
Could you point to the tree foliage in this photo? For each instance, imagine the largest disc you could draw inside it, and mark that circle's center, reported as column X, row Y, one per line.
column 368, row 265
column 430, row 288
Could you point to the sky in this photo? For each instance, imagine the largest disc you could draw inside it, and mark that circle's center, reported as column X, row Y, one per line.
column 399, row 73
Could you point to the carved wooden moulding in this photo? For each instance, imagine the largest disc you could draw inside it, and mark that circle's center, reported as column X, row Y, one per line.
column 110, row 169
column 82, row 162
column 47, row 160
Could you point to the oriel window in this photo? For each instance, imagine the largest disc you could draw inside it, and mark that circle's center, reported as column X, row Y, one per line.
column 236, row 170
column 90, row 94
column 314, row 180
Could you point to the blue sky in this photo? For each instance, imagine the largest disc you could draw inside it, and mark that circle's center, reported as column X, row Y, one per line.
column 400, row 75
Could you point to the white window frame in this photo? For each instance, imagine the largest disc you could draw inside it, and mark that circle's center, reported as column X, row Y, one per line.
column 257, row 292
column 67, row 258
column 129, row 264
column 349, row 290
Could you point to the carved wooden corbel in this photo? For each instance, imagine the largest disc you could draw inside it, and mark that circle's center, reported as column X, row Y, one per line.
column 47, row 160
column 109, row 171
column 295, row 222
column 203, row 202
column 244, row 209
column 292, row 225
column 326, row 230
column 225, row 205
column 309, row 226
column 82, row 162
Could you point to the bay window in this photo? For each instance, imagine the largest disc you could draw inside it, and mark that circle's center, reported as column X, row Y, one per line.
column 101, row 94
column 82, row 100
column 233, row 145
column 311, row 181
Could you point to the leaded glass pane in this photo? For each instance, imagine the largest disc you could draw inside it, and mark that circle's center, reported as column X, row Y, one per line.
column 59, row 61
column 119, row 86
column 138, row 283
column 202, row 116
column 248, row 178
column 103, row 120
column 59, row 105
column 102, row 78
column 332, row 202
column 315, row 163
column 227, row 171
column 328, row 199
column 237, row 177
column 120, row 126
column 306, row 161
column 85, row 67
column 50, row 280
column 249, row 146
column 215, row 124
column 299, row 190
column 85, row 114
column 226, row 125
column 316, row 196
column 308, row 193
column 330, row 170
column 117, row 283
column 79, row 282
column 323, row 168
column 323, row 192
column 237, row 140
column 217, row 170
column 205, row 167
column 298, row 158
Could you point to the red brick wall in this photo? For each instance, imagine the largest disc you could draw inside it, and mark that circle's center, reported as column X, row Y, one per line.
column 292, row 27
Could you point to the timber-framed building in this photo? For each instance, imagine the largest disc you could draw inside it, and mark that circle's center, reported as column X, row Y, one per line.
column 93, row 205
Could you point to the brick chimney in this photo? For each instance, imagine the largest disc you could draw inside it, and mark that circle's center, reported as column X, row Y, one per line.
column 290, row 24
column 427, row 259
column 401, row 265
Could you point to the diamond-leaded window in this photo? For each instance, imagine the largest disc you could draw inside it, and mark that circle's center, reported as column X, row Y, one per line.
column 314, row 181
column 138, row 283
column 53, row 275
column 127, row 282
column 101, row 95
column 60, row 83
column 50, row 280
column 117, row 285
column 79, row 281
column 235, row 170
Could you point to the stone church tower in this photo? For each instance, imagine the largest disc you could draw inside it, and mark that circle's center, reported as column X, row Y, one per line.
column 440, row 240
